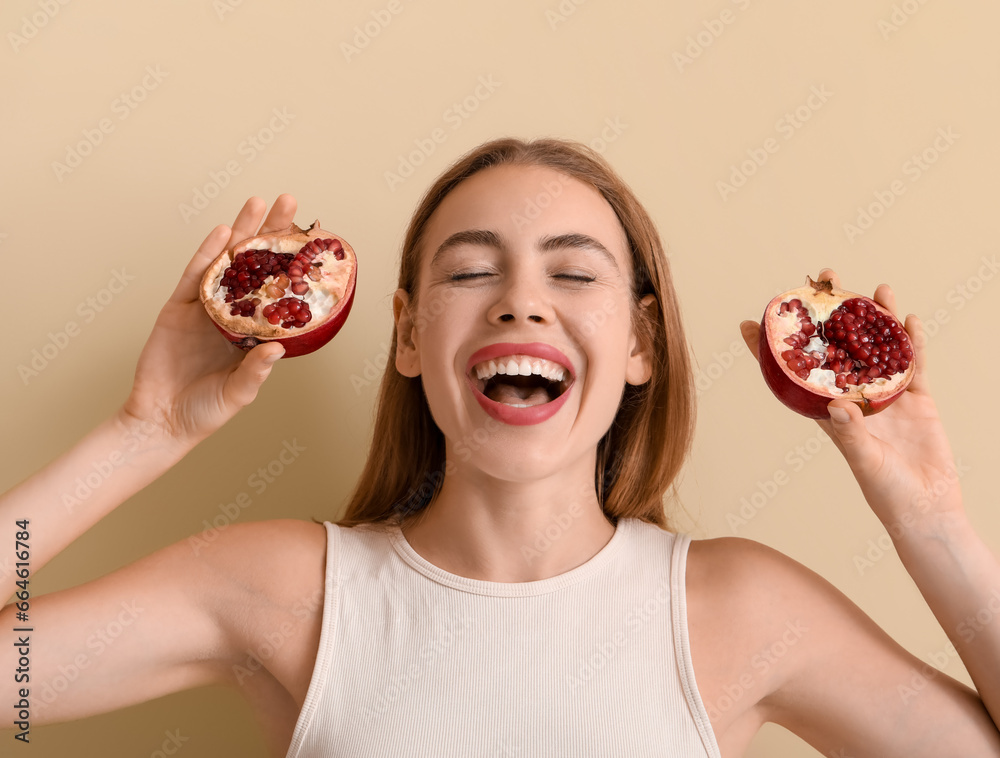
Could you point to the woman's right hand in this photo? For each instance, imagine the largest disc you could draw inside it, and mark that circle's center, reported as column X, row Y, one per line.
column 189, row 381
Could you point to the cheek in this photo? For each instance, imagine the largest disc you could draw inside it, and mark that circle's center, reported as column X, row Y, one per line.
column 433, row 308
column 603, row 318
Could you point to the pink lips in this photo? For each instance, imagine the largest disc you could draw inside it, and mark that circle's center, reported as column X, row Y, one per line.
column 507, row 413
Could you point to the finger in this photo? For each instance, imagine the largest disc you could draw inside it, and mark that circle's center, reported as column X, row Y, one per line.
column 242, row 385
column 847, row 428
column 189, row 286
column 282, row 214
column 247, row 220
column 751, row 335
column 918, row 338
column 885, row 297
column 829, row 275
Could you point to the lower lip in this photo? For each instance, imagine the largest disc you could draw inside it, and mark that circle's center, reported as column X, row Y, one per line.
column 508, row 414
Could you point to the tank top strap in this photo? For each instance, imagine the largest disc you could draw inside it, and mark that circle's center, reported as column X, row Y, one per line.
column 682, row 643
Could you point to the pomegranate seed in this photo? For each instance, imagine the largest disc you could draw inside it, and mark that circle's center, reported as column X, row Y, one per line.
column 289, row 312
column 300, row 287
column 859, row 338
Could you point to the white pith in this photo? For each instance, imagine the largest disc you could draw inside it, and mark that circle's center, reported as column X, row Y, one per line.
column 324, row 297
column 520, row 365
column 819, row 307
column 320, row 299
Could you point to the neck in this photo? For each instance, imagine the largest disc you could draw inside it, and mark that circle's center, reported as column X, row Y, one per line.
column 502, row 531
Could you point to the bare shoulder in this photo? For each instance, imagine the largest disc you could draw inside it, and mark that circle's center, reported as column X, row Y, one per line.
column 767, row 610
column 262, row 553
column 748, row 612
column 241, row 605
column 771, row 640
column 752, row 580
column 270, row 579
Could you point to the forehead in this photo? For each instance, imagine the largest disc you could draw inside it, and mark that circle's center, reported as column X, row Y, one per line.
column 524, row 204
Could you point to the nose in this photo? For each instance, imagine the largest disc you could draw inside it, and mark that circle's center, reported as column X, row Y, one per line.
column 521, row 296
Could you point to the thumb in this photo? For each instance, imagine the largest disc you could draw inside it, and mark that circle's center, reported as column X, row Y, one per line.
column 242, row 385
column 858, row 446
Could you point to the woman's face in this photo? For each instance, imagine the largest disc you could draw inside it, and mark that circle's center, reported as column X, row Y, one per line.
column 522, row 329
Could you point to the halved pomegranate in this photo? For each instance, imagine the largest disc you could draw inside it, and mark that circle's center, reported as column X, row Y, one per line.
column 819, row 343
column 294, row 286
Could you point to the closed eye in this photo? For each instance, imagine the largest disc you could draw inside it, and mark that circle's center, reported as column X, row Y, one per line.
column 464, row 275
column 576, row 277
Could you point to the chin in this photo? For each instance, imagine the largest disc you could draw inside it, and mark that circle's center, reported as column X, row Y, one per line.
column 518, row 462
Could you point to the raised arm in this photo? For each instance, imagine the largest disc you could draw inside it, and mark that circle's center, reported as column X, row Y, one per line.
column 188, row 383
column 904, row 465
column 186, row 615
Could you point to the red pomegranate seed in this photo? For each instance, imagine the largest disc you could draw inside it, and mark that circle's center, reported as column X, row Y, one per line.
column 289, row 312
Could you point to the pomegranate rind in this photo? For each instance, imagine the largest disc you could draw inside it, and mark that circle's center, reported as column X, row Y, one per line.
column 339, row 277
column 805, row 397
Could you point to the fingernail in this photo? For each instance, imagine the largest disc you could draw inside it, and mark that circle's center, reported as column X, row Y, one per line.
column 272, row 359
column 839, row 415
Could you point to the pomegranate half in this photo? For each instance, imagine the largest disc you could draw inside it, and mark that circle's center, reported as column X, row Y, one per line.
column 819, row 343
column 294, row 286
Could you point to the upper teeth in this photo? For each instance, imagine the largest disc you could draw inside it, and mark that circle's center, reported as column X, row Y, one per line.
column 523, row 365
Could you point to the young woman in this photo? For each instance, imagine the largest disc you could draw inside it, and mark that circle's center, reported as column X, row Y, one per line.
column 503, row 582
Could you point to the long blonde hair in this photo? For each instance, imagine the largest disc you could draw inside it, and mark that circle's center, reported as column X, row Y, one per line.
column 639, row 456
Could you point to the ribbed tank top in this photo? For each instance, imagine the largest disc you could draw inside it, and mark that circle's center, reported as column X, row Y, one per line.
column 416, row 661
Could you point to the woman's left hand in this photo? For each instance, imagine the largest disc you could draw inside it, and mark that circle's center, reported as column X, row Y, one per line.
column 900, row 456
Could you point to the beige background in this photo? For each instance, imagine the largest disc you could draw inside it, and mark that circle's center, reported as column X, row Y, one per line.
column 890, row 77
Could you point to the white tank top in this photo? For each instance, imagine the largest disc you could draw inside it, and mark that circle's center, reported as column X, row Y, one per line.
column 416, row 661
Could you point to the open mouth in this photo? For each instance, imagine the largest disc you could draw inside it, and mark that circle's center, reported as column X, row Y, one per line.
column 521, row 381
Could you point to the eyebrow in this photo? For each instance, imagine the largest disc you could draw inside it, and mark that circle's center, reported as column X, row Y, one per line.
column 578, row 242
column 488, row 238
column 482, row 237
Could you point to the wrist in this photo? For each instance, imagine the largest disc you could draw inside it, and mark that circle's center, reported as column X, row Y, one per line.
column 152, row 432
column 919, row 531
